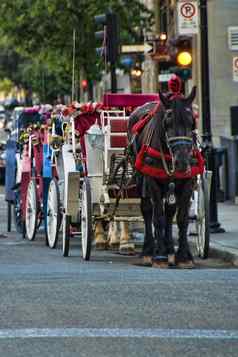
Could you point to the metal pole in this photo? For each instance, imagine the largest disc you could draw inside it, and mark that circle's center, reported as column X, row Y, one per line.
column 113, row 78
column 73, row 65
column 9, row 216
column 206, row 118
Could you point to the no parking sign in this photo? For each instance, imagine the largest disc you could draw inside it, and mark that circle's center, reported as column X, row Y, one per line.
column 235, row 69
column 187, row 17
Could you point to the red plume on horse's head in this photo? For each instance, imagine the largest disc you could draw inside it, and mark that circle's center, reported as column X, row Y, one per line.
column 175, row 84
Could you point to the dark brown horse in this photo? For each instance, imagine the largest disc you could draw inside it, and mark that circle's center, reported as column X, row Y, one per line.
column 163, row 154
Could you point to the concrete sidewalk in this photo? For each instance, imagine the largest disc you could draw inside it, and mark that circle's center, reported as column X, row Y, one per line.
column 225, row 245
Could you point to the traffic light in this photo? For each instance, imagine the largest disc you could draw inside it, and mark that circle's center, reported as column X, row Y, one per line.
column 84, row 84
column 182, row 56
column 109, row 36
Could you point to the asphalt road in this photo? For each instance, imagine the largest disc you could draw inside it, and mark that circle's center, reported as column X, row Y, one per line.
column 112, row 306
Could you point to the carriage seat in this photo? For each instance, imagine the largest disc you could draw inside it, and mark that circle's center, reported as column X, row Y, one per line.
column 114, row 124
column 118, row 133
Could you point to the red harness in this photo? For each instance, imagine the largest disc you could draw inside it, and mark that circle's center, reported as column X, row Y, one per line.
column 147, row 151
column 160, row 173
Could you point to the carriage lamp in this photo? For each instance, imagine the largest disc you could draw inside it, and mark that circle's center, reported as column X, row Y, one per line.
column 136, row 72
column 96, row 137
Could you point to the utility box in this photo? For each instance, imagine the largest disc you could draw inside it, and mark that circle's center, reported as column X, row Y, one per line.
column 231, row 144
column 234, row 120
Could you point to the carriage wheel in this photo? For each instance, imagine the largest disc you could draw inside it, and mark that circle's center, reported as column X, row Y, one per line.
column 53, row 214
column 202, row 223
column 86, row 219
column 66, row 235
column 31, row 211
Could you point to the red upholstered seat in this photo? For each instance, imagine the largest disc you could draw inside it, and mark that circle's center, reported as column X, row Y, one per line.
column 119, row 125
column 118, row 141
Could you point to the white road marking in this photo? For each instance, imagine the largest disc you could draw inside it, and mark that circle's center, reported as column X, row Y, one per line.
column 119, row 332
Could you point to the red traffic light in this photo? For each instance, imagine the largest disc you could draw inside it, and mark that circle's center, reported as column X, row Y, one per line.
column 84, row 83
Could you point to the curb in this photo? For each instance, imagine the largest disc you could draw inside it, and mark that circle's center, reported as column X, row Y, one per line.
column 226, row 253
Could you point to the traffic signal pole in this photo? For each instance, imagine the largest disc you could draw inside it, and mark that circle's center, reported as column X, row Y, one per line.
column 110, row 40
column 113, row 78
column 215, row 226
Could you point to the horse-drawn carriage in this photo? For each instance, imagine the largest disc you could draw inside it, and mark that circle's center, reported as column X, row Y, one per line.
column 84, row 176
column 29, row 169
column 114, row 195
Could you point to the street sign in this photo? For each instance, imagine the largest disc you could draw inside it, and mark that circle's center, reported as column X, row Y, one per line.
column 235, row 69
column 187, row 14
column 165, row 77
column 146, row 48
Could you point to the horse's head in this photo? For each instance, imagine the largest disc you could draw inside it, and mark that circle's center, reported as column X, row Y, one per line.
column 178, row 125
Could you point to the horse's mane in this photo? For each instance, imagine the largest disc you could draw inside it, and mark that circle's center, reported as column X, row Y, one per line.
column 154, row 124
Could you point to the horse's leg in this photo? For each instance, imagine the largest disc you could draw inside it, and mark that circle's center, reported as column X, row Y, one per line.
column 170, row 211
column 148, row 246
column 159, row 222
column 113, row 237
column 100, row 239
column 126, row 247
column 184, row 256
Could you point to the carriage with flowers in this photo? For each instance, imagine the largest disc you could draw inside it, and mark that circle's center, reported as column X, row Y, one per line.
column 75, row 168
column 30, row 169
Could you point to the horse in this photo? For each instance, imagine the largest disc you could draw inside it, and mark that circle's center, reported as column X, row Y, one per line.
column 161, row 137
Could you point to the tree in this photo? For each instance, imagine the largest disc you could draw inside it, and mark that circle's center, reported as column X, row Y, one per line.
column 39, row 35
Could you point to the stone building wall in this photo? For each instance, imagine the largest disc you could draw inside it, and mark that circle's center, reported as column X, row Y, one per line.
column 224, row 91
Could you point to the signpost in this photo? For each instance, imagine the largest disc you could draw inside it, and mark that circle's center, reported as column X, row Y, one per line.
column 187, row 17
column 235, row 69
column 146, row 48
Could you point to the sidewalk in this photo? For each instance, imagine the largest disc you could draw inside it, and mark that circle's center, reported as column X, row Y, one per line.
column 225, row 245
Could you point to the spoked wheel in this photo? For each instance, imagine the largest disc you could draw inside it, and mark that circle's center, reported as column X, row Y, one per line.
column 31, row 211
column 53, row 214
column 66, row 235
column 202, row 223
column 86, row 219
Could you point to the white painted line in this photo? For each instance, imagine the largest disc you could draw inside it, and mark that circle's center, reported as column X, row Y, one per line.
column 119, row 332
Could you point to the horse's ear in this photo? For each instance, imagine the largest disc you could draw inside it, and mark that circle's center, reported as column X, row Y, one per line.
column 164, row 100
column 191, row 96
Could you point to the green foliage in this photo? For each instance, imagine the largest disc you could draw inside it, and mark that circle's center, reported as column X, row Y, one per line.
column 36, row 42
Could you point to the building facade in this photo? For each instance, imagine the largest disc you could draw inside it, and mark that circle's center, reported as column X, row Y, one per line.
column 222, row 14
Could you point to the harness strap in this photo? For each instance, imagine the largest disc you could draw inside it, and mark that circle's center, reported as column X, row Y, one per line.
column 138, row 126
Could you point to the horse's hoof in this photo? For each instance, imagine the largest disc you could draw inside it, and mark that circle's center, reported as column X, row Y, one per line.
column 171, row 260
column 160, row 264
column 147, row 261
column 101, row 246
column 127, row 249
column 186, row 265
column 114, row 246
